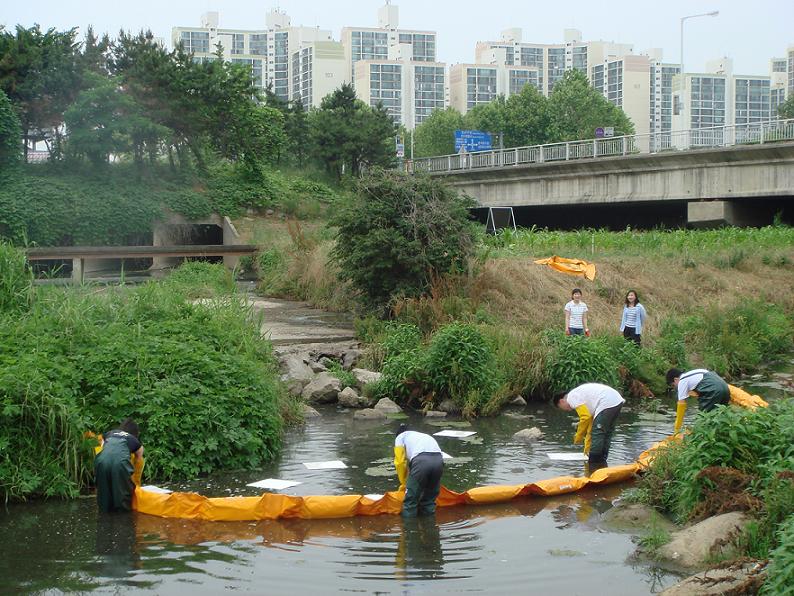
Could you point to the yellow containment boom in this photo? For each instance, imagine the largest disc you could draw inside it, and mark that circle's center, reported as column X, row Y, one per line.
column 570, row 266
column 275, row 506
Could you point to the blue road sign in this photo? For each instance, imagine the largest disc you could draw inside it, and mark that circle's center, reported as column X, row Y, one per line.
column 472, row 140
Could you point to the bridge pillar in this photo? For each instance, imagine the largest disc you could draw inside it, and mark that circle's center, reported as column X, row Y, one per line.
column 710, row 214
column 77, row 271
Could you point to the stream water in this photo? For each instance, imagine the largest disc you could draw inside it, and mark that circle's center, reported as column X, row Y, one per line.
column 554, row 545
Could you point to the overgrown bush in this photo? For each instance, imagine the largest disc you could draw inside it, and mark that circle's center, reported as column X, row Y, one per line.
column 399, row 231
column 16, row 280
column 461, row 366
column 198, row 378
column 735, row 340
column 780, row 573
column 755, row 444
column 577, row 359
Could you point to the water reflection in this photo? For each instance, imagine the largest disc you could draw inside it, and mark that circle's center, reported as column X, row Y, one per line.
column 554, row 544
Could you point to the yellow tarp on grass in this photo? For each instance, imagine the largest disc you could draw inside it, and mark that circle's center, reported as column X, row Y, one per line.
column 570, row 266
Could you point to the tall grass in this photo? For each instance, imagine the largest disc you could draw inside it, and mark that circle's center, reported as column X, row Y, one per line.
column 16, row 290
column 588, row 242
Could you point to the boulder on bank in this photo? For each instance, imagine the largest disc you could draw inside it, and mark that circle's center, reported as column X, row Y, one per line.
column 387, row 406
column 435, row 414
column 350, row 398
column 365, row 377
column 297, row 374
column 449, row 406
column 351, row 358
column 741, row 577
column 323, row 389
column 692, row 547
column 369, row 414
column 518, row 401
column 635, row 517
column 310, row 412
column 528, row 435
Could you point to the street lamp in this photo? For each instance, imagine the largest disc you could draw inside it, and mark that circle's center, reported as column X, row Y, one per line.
column 713, row 13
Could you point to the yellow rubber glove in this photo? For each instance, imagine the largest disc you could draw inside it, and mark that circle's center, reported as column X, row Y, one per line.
column 137, row 470
column 583, row 428
column 680, row 410
column 587, row 439
column 401, row 464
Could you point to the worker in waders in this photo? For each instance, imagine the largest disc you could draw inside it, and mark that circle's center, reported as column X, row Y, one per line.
column 116, row 474
column 598, row 407
column 710, row 389
column 419, row 464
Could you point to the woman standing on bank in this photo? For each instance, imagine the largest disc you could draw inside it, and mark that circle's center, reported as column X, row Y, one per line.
column 633, row 318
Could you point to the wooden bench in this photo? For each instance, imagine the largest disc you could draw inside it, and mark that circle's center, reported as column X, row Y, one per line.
column 78, row 254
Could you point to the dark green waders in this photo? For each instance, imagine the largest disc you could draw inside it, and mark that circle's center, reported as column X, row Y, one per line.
column 601, row 437
column 712, row 392
column 113, row 470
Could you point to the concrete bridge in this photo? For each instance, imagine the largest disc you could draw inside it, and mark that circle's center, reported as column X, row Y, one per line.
column 740, row 184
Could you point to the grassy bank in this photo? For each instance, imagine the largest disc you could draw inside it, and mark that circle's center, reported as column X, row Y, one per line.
column 734, row 460
column 197, row 376
column 53, row 205
column 722, row 299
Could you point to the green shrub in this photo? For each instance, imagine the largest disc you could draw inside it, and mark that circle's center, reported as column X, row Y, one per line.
column 397, row 233
column 577, row 359
column 758, row 443
column 780, row 573
column 347, row 378
column 461, row 366
column 198, row 378
column 198, row 279
column 404, row 375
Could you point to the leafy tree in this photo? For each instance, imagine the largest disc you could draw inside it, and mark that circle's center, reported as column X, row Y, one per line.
column 297, row 131
column 526, row 118
column 576, row 110
column 489, row 117
column 104, row 120
column 436, row 135
column 398, row 232
column 40, row 73
column 786, row 109
column 347, row 134
column 95, row 53
column 10, row 132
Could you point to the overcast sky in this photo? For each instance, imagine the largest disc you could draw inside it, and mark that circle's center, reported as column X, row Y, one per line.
column 749, row 31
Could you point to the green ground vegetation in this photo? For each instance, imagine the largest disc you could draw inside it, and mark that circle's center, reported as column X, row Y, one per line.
column 723, row 299
column 734, row 459
column 195, row 373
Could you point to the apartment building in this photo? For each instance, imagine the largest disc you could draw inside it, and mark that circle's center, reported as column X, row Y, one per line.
column 267, row 51
column 473, row 84
column 550, row 60
column 409, row 89
column 373, row 43
column 661, row 92
column 396, row 68
column 778, row 75
column 625, row 82
column 318, row 69
column 717, row 97
column 790, row 64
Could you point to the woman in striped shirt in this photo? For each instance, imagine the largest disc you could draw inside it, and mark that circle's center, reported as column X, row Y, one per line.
column 633, row 318
column 576, row 315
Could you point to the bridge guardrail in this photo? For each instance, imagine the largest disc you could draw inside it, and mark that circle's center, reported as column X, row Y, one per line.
column 702, row 138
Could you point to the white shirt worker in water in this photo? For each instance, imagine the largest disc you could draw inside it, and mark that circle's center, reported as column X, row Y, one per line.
column 598, row 407
column 419, row 464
